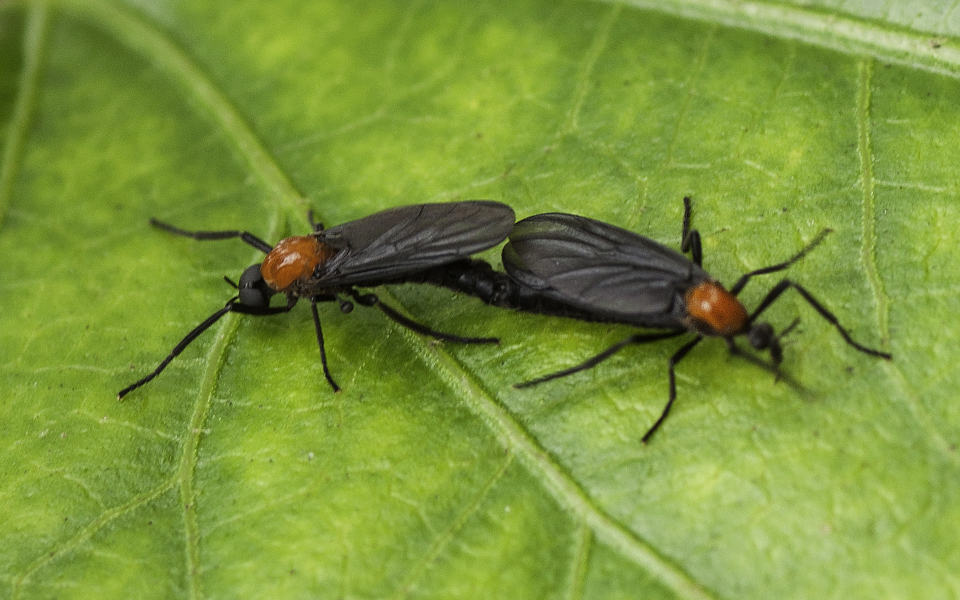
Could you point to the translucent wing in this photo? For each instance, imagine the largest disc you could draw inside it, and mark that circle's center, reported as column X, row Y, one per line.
column 600, row 268
column 400, row 241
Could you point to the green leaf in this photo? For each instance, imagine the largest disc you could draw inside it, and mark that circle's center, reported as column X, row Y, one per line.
column 237, row 473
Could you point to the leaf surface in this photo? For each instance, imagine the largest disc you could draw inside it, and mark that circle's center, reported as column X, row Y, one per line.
column 237, row 473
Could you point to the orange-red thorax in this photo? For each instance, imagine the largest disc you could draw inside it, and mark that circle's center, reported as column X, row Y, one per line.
column 710, row 305
column 293, row 260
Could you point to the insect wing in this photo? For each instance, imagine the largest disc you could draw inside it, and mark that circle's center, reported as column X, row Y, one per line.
column 400, row 241
column 598, row 267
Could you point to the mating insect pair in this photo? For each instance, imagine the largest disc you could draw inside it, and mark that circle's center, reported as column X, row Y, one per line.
column 556, row 264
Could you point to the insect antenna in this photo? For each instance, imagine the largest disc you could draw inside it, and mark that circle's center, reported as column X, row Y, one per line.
column 196, row 331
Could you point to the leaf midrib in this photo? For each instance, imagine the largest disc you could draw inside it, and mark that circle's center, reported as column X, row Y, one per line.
column 34, row 43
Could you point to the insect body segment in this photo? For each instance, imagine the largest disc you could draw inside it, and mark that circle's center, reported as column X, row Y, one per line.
column 293, row 260
column 610, row 272
column 398, row 245
column 713, row 310
column 573, row 266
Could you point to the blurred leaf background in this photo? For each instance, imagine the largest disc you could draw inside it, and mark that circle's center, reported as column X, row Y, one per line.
column 237, row 473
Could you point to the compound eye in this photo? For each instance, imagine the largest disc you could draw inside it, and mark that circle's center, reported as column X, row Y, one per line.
column 760, row 335
column 253, row 290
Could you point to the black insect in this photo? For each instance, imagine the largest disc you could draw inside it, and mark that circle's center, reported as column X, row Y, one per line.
column 572, row 266
column 405, row 244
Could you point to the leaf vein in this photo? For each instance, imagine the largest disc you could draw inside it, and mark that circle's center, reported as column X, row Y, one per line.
column 835, row 31
column 689, row 86
column 583, row 78
column 580, row 564
column 443, row 540
column 136, row 32
column 85, row 533
column 868, row 218
column 34, row 44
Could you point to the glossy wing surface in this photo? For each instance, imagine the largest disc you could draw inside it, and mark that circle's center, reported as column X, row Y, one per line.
column 598, row 267
column 400, row 241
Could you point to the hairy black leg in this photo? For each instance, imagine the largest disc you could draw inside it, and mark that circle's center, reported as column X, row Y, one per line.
column 373, row 300
column 690, row 238
column 677, row 357
column 215, row 235
column 323, row 352
column 316, row 225
column 599, row 358
column 772, row 368
column 739, row 285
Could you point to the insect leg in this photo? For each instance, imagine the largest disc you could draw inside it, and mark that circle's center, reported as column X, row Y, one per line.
column 599, row 358
column 373, row 300
column 215, row 235
column 784, row 285
column 772, row 368
column 677, row 357
column 345, row 305
column 690, row 238
column 316, row 225
column 291, row 302
column 323, row 352
column 738, row 286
